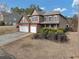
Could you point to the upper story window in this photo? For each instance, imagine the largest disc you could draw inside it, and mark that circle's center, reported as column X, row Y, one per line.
column 34, row 18
column 50, row 18
column 55, row 18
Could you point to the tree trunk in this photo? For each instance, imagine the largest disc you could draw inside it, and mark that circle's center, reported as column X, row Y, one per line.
column 78, row 22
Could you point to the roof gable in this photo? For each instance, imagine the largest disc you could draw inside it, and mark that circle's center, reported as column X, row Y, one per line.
column 24, row 19
column 35, row 12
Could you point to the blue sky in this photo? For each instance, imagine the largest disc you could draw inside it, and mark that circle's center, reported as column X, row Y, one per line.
column 65, row 6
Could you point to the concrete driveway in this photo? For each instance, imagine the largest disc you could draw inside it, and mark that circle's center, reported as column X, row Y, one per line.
column 8, row 38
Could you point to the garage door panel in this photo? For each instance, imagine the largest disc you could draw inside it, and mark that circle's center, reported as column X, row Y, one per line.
column 20, row 28
column 33, row 29
column 24, row 28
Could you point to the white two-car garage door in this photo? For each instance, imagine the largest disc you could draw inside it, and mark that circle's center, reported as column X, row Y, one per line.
column 33, row 29
column 23, row 28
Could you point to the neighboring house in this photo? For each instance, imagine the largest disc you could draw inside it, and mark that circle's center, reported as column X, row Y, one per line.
column 40, row 19
column 9, row 18
column 1, row 17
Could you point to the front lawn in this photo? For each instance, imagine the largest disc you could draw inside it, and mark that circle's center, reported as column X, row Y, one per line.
column 28, row 48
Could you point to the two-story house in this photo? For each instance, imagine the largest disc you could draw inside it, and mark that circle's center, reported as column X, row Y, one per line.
column 38, row 19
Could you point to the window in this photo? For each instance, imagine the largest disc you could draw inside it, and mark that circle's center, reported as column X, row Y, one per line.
column 55, row 18
column 34, row 18
column 50, row 18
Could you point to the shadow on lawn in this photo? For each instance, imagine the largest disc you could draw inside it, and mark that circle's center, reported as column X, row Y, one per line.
column 61, row 37
column 5, row 55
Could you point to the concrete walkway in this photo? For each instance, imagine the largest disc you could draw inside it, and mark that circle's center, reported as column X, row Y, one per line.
column 8, row 38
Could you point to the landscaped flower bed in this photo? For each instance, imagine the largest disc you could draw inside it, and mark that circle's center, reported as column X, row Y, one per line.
column 57, row 35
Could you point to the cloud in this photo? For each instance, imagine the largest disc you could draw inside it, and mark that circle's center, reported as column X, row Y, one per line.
column 75, row 12
column 42, row 8
column 60, row 9
column 75, row 3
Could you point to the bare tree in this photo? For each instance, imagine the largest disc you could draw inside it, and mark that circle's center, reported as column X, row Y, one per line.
column 76, row 5
column 77, row 9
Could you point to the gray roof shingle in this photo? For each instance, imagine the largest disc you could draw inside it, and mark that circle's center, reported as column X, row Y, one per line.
column 52, row 13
